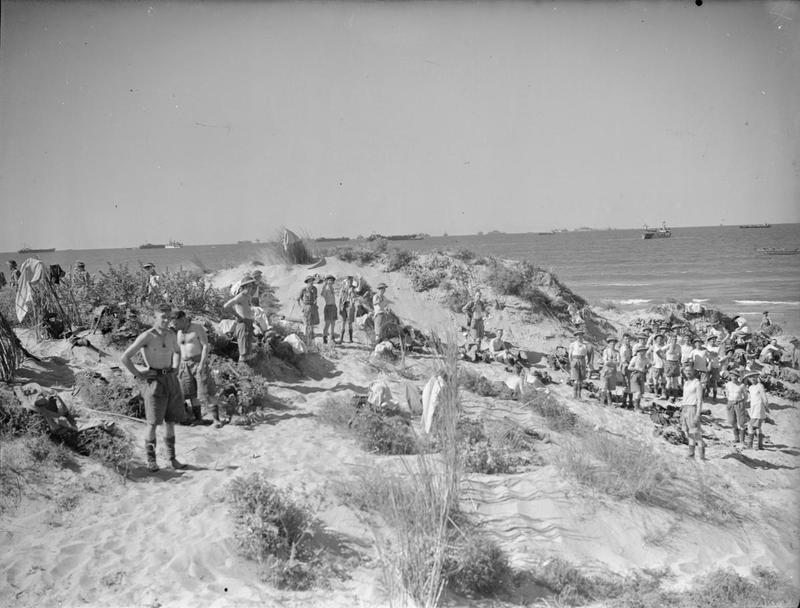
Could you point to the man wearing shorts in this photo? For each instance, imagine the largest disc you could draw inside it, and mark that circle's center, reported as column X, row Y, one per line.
column 577, row 363
column 691, row 407
column 163, row 400
column 638, row 368
column 672, row 368
column 736, row 394
column 308, row 302
column 657, row 351
column 380, row 306
column 476, row 312
column 347, row 307
column 329, row 312
column 608, row 371
column 759, row 407
column 240, row 306
column 197, row 383
column 625, row 356
column 714, row 366
column 700, row 361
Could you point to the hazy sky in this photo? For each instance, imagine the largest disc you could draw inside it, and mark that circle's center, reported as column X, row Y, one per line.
column 212, row 122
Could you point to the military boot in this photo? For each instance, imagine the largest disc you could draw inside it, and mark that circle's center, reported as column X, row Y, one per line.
column 173, row 462
column 735, row 434
column 760, row 445
column 691, row 451
column 701, row 451
column 749, row 441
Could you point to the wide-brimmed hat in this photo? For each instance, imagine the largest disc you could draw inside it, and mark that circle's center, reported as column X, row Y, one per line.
column 611, row 339
column 330, row 277
column 640, row 348
column 382, row 286
column 750, row 374
column 578, row 332
column 309, row 279
column 246, row 280
column 697, row 341
column 659, row 335
column 711, row 337
column 148, row 265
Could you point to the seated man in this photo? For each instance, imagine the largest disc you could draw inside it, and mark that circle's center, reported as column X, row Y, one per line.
column 499, row 349
column 771, row 353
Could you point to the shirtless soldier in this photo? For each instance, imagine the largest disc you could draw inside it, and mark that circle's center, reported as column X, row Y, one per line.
column 163, row 400
column 239, row 305
column 196, row 381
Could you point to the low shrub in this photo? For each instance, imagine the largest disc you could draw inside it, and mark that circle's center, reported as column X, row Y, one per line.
column 465, row 255
column 120, row 394
column 17, row 421
column 477, row 566
column 571, row 586
column 273, row 530
column 398, row 259
column 109, row 446
column 455, row 298
column 358, row 255
column 484, row 387
column 557, row 416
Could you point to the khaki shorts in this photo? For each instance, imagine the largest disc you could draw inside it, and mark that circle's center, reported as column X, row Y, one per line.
column 691, row 428
column 163, row 399
column 196, row 382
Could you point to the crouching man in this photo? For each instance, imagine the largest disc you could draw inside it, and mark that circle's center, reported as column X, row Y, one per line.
column 691, row 407
column 196, row 381
column 163, row 399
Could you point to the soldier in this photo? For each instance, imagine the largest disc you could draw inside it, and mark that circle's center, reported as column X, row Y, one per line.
column 308, row 302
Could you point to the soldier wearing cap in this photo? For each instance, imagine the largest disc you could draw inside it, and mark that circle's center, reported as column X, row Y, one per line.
column 736, row 395
column 380, row 306
column 577, row 363
column 672, row 368
column 347, row 306
column 240, row 306
column 657, row 352
column 163, row 399
column 759, row 408
column 308, row 302
column 329, row 311
column 691, row 408
column 700, row 361
column 625, row 356
column 610, row 359
column 638, row 368
column 151, row 291
column 476, row 313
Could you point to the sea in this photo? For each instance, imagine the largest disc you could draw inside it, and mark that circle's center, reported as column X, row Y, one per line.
column 717, row 266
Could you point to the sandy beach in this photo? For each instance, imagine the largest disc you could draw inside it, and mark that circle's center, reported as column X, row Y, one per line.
column 82, row 535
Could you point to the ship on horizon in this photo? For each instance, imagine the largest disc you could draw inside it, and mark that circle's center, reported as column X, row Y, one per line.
column 764, row 225
column 26, row 249
column 657, row 233
column 173, row 245
column 152, row 246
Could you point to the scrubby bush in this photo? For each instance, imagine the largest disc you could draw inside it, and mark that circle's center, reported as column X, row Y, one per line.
column 557, row 416
column 465, row 255
column 110, row 446
column 273, row 530
column 118, row 394
column 455, row 297
column 477, row 566
column 359, row 255
column 398, row 259
column 189, row 291
column 484, row 387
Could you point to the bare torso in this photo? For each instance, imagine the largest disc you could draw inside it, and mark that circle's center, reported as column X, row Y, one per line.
column 158, row 348
column 191, row 341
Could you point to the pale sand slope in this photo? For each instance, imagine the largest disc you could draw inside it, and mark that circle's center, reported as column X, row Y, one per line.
column 167, row 539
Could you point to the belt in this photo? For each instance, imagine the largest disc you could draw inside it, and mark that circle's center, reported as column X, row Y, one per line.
column 161, row 372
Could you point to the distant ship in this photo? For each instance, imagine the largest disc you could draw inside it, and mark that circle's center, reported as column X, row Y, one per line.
column 778, row 251
column 657, row 233
column 152, row 246
column 755, row 225
column 29, row 250
column 173, row 245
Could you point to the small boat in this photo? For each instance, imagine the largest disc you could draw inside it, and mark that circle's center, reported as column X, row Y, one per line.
column 778, row 251
column 30, row 250
column 173, row 245
column 152, row 246
column 765, row 225
column 657, row 233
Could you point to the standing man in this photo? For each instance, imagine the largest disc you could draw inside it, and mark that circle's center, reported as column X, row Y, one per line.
column 714, row 366
column 13, row 274
column 608, row 373
column 766, row 322
column 163, row 400
column 700, row 362
column 197, row 383
column 308, row 302
column 638, row 368
column 657, row 352
column 380, row 306
column 329, row 312
column 577, row 363
column 80, row 278
column 759, row 407
column 151, row 290
column 625, row 356
column 672, row 368
column 239, row 306
column 347, row 306
column 691, row 407
column 736, row 394
column 476, row 312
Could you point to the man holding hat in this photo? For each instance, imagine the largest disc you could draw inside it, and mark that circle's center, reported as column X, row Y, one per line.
column 308, row 302
column 380, row 306
column 736, row 394
column 239, row 306
column 759, row 408
column 347, row 306
column 163, row 399
column 608, row 372
column 329, row 312
column 150, row 284
column 577, row 363
column 691, row 408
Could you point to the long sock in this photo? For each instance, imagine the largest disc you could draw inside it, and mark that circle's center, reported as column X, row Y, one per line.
column 171, row 453
column 197, row 411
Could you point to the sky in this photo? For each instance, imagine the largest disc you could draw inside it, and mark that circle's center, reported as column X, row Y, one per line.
column 212, row 122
